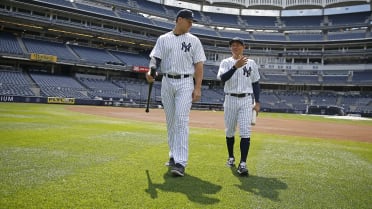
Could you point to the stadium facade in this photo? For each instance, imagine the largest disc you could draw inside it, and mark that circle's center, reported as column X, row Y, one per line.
column 311, row 53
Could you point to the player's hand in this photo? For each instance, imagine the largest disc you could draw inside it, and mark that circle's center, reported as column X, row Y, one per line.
column 196, row 95
column 257, row 107
column 149, row 78
column 241, row 61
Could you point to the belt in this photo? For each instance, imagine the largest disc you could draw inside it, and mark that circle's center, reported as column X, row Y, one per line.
column 176, row 76
column 239, row 95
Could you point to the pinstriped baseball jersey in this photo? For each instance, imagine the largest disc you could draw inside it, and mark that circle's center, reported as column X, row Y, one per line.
column 242, row 79
column 178, row 53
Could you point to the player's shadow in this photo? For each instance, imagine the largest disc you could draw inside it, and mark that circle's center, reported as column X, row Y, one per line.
column 262, row 186
column 194, row 188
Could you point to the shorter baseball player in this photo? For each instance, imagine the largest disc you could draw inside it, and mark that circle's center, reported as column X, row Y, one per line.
column 242, row 93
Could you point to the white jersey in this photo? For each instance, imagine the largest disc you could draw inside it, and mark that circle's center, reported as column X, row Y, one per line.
column 242, row 79
column 178, row 53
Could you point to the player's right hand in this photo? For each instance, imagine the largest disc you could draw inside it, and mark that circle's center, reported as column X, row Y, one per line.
column 241, row 61
column 149, row 78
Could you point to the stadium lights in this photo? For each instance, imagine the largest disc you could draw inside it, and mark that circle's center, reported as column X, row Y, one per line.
column 62, row 31
column 115, row 40
column 146, row 45
column 25, row 25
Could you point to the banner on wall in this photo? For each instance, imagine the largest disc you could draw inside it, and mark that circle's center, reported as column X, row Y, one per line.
column 60, row 100
column 43, row 57
column 140, row 69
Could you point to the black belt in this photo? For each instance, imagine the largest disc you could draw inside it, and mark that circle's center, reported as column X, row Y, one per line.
column 239, row 95
column 177, row 76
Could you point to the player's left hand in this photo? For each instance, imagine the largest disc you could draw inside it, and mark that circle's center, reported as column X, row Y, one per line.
column 257, row 107
column 196, row 95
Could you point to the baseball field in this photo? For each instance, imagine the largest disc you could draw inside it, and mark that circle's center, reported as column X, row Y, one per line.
column 65, row 156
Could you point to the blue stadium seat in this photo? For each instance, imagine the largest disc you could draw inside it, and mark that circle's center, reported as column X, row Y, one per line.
column 9, row 44
column 132, row 59
column 349, row 19
column 269, row 37
column 90, row 55
column 259, row 20
column 305, row 37
column 302, row 21
column 95, row 10
column 50, row 48
column 227, row 20
column 14, row 83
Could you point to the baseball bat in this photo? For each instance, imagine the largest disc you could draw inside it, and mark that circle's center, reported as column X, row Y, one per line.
column 153, row 74
column 254, row 117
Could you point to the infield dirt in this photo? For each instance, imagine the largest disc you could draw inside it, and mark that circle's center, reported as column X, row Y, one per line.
column 211, row 119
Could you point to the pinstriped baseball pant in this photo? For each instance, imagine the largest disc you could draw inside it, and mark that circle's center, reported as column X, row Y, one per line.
column 238, row 110
column 176, row 96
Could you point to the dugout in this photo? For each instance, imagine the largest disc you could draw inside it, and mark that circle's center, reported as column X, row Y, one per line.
column 325, row 110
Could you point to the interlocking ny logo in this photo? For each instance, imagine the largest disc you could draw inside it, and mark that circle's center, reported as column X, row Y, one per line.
column 247, row 72
column 185, row 47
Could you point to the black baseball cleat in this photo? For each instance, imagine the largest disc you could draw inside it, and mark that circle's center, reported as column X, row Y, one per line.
column 170, row 163
column 178, row 170
column 242, row 170
column 230, row 162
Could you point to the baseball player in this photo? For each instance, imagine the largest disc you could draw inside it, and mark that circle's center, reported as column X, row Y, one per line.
column 242, row 93
column 180, row 56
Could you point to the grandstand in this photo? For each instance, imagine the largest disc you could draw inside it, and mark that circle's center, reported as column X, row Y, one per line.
column 309, row 52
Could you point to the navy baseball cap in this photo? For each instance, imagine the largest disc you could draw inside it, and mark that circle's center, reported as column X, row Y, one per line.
column 236, row 39
column 186, row 13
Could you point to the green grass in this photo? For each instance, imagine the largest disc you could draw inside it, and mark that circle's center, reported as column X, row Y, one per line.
column 54, row 158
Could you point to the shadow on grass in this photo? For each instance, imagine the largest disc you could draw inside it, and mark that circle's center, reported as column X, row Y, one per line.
column 194, row 188
column 262, row 186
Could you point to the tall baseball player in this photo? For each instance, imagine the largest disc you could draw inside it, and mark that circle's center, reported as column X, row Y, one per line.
column 180, row 56
column 242, row 93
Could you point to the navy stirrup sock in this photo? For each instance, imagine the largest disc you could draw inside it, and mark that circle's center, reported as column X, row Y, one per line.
column 230, row 146
column 244, row 148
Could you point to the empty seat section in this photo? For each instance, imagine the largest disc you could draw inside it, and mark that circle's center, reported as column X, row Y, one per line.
column 233, row 34
column 131, row 58
column 15, row 84
column 96, row 10
column 269, row 37
column 150, row 6
column 346, row 35
column 305, row 37
column 259, row 20
column 59, row 2
column 134, row 17
column 334, row 79
column 305, row 79
column 202, row 31
column 223, row 19
column 349, row 19
column 362, row 77
column 302, row 21
column 163, row 24
column 94, row 55
column 136, row 90
column 9, row 44
column 50, row 48
column 59, row 86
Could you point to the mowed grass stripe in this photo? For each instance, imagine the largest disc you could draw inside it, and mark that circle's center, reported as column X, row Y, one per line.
column 53, row 158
